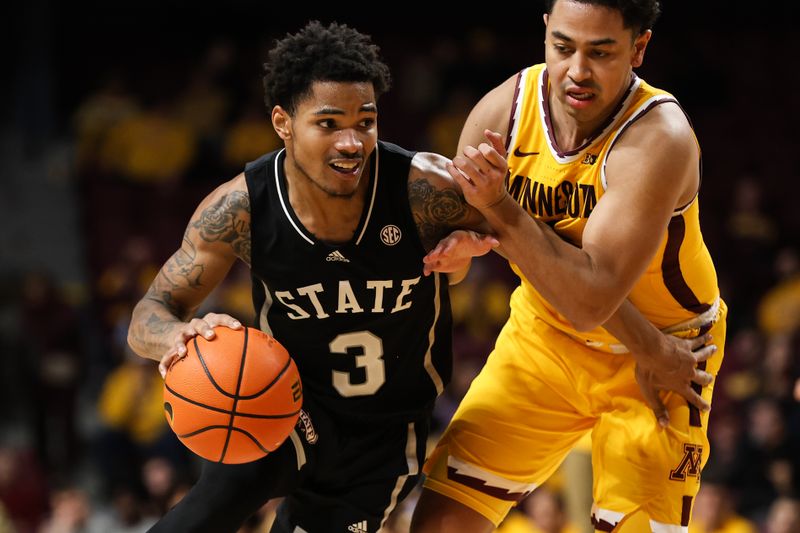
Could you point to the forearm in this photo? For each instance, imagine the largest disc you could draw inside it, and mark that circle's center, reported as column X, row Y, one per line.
column 633, row 330
column 152, row 328
column 568, row 279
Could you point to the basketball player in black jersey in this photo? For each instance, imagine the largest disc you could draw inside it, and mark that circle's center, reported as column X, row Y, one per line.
column 334, row 228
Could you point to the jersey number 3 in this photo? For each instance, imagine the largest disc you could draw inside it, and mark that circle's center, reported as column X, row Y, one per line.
column 371, row 360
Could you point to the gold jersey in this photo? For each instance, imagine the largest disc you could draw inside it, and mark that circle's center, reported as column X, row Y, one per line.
column 562, row 188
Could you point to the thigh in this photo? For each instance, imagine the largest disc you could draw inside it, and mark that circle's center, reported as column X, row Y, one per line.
column 225, row 495
column 522, row 414
column 377, row 466
column 638, row 465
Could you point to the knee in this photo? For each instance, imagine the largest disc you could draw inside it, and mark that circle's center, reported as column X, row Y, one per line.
column 436, row 513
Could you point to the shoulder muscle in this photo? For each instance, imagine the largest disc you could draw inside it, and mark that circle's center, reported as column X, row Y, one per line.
column 222, row 220
column 491, row 112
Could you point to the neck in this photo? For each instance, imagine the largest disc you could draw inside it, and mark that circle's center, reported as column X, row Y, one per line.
column 328, row 217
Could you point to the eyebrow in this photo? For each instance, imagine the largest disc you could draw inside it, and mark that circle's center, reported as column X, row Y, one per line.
column 598, row 42
column 366, row 108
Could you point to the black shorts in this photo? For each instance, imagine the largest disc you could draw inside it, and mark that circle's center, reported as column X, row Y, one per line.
column 337, row 476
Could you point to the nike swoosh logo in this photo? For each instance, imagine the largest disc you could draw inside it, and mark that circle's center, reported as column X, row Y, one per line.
column 519, row 153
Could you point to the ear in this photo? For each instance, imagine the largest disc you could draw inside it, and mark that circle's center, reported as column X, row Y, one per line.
column 639, row 46
column 282, row 122
column 546, row 18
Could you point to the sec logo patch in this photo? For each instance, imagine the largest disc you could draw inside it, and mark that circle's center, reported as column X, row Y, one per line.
column 390, row 235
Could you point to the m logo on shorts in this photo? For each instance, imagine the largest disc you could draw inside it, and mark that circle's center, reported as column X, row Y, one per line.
column 690, row 464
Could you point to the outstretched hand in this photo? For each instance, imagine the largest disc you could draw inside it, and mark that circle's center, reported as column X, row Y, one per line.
column 455, row 251
column 674, row 368
column 481, row 172
column 198, row 326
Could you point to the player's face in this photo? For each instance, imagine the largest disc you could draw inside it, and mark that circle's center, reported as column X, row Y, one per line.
column 589, row 55
column 332, row 135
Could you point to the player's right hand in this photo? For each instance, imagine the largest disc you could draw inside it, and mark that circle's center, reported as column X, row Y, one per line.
column 456, row 250
column 197, row 326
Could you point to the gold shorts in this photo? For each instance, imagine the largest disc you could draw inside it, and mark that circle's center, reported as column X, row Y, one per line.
column 539, row 393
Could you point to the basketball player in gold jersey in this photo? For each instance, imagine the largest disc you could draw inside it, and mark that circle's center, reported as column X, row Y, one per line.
column 591, row 187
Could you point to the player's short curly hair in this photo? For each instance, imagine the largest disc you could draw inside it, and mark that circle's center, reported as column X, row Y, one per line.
column 638, row 15
column 321, row 53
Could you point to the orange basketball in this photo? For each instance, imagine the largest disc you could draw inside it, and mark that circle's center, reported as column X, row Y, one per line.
column 235, row 398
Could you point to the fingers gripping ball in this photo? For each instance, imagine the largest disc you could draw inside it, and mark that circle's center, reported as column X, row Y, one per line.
column 235, row 398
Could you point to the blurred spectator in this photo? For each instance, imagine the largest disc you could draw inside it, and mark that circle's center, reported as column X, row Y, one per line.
column 99, row 112
column 769, row 461
column 541, row 512
column 729, row 449
column 752, row 236
column 714, row 509
column 151, row 146
column 134, row 427
column 739, row 378
column 205, row 105
column 161, row 479
column 779, row 365
column 23, row 489
column 6, row 526
column 784, row 516
column 779, row 308
column 249, row 137
column 122, row 282
column 52, row 335
column 70, row 513
column 445, row 126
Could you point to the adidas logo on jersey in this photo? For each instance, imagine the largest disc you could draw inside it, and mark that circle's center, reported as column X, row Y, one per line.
column 360, row 527
column 336, row 255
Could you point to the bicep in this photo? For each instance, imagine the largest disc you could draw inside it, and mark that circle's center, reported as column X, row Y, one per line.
column 491, row 112
column 645, row 184
column 217, row 234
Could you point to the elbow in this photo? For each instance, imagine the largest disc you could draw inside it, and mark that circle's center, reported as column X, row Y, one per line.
column 590, row 317
column 134, row 341
column 583, row 325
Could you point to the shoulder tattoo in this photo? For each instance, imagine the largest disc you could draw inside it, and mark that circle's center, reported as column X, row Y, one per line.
column 228, row 221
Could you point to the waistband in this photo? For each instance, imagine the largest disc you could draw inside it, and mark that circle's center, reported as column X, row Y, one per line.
column 687, row 329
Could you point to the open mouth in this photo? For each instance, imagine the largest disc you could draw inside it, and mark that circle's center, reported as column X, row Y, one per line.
column 347, row 167
column 579, row 97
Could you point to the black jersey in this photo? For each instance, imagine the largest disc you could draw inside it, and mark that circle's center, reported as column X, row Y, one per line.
column 370, row 334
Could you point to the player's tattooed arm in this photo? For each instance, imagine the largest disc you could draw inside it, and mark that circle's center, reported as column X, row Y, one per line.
column 436, row 202
column 217, row 234
column 228, row 221
column 436, row 211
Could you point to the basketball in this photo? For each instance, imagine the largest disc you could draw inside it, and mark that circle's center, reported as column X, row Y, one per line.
column 234, row 398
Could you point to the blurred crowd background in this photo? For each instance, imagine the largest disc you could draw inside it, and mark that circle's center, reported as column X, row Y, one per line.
column 117, row 118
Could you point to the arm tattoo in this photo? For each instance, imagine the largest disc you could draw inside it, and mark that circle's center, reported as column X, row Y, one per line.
column 224, row 222
column 179, row 272
column 182, row 265
column 437, row 212
column 164, row 298
column 156, row 325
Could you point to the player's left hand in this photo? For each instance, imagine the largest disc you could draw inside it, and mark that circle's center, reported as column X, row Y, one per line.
column 674, row 367
column 481, row 172
column 455, row 251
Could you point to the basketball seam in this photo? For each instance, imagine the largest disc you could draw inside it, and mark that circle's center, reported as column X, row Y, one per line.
column 228, row 394
column 220, row 410
column 236, row 398
column 208, row 428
